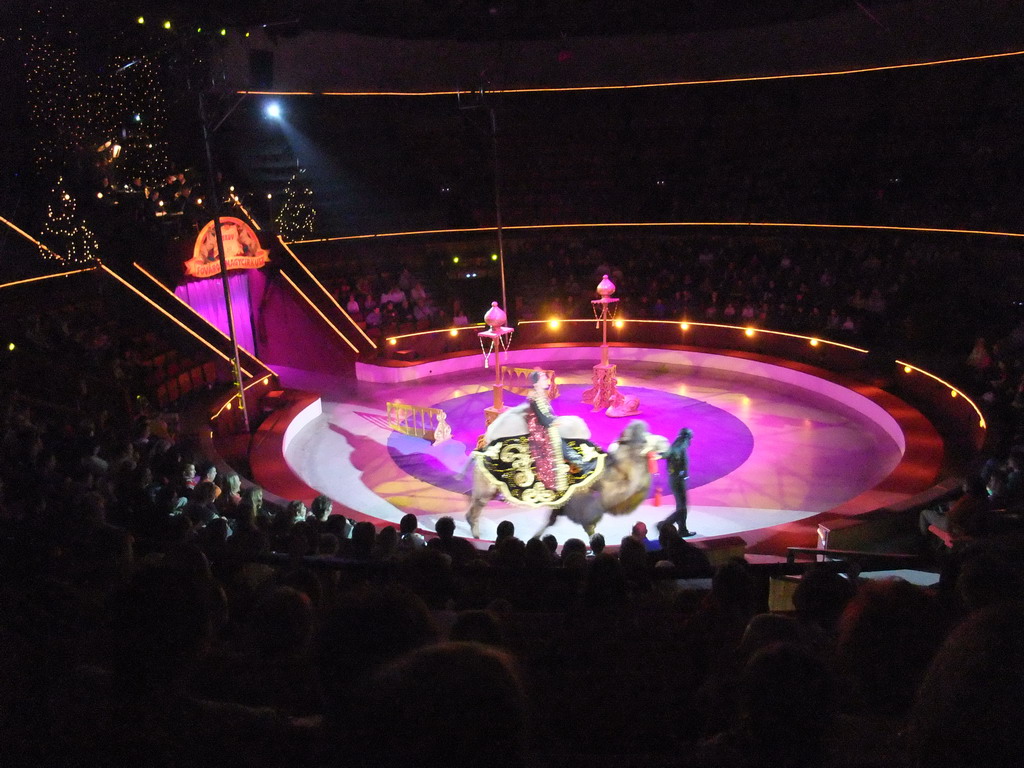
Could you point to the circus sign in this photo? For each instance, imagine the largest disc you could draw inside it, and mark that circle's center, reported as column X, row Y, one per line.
column 241, row 249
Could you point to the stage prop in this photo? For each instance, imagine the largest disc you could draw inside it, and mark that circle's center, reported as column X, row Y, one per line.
column 604, row 392
column 241, row 249
column 517, row 380
column 429, row 423
column 495, row 340
column 207, row 298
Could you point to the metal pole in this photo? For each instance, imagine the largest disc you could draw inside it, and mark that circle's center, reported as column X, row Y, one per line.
column 497, row 208
column 215, row 198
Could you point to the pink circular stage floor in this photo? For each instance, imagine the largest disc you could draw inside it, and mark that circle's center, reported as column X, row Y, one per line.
column 774, row 446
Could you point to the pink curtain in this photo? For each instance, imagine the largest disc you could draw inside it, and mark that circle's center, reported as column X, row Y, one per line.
column 207, row 298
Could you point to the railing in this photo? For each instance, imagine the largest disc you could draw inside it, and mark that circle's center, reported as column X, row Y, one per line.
column 834, row 354
column 428, row 423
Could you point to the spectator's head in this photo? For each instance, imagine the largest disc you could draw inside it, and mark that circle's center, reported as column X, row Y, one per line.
column 295, row 512
column 408, row 524
column 597, row 543
column 606, row 584
column 509, row 552
column 282, row 623
column 445, row 527
column 639, row 530
column 821, row 596
column 386, row 543
column 505, row 529
column 321, row 508
column 633, row 556
column 791, row 735
column 887, row 637
column 205, row 493
column 253, row 498
column 363, row 537
column 367, row 629
column 537, row 554
column 407, row 714
column 571, row 546
column 967, row 709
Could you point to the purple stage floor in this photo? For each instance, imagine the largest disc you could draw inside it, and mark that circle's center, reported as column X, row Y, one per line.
column 773, row 446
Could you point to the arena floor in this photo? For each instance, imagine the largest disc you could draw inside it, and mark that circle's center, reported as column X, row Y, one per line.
column 774, row 445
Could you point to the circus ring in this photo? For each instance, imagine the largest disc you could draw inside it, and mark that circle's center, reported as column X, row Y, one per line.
column 793, row 435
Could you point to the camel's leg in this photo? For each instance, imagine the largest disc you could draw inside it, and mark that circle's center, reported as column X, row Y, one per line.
column 551, row 521
column 482, row 493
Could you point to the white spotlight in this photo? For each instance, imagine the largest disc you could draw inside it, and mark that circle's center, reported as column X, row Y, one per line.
column 273, row 110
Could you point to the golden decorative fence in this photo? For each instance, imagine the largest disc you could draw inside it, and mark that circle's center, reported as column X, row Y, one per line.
column 428, row 423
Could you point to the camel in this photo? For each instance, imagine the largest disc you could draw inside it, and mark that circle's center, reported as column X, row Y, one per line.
column 623, row 484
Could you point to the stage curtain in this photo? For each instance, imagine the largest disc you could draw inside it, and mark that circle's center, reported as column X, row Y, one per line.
column 207, row 298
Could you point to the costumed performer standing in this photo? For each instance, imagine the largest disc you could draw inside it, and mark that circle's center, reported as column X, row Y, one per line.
column 678, row 463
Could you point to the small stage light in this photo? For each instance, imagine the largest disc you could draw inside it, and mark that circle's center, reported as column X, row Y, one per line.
column 10, row 347
column 952, row 393
column 141, row 20
column 455, row 259
column 392, row 342
column 814, row 342
column 223, row 32
column 494, row 257
column 167, row 25
column 453, row 332
column 685, row 326
column 749, row 331
column 554, row 324
column 907, row 369
column 273, row 110
column 619, row 323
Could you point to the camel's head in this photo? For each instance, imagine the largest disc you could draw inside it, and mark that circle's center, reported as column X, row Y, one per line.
column 657, row 444
column 637, row 441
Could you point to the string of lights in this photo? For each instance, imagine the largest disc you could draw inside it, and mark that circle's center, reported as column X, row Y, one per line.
column 297, row 217
column 65, row 231
column 135, row 100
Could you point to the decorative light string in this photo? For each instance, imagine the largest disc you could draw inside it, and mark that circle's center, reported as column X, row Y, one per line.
column 297, row 217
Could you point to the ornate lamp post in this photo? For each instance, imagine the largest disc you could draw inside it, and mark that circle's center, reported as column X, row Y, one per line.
column 495, row 339
column 604, row 393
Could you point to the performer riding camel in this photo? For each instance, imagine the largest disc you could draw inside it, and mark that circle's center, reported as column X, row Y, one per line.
column 541, row 467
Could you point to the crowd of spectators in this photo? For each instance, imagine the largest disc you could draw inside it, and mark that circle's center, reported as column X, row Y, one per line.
column 155, row 611
column 385, row 302
column 156, row 614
